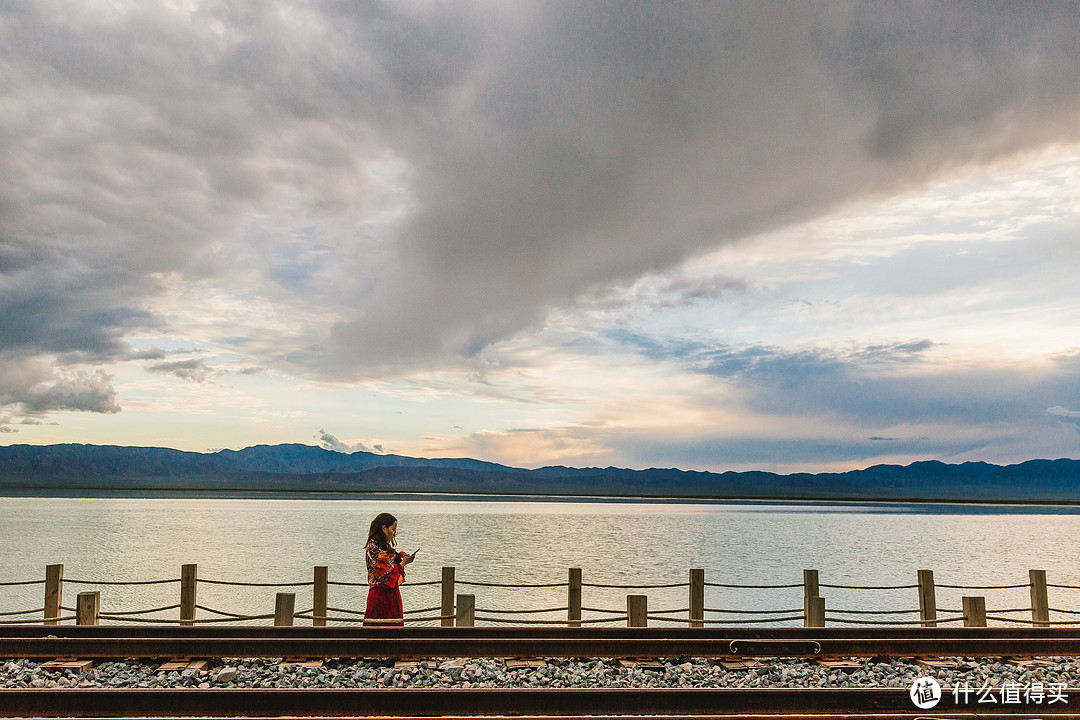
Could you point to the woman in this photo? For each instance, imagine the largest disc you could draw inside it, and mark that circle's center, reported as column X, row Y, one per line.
column 385, row 571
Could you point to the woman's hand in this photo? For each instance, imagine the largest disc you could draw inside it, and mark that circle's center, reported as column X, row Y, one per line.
column 406, row 558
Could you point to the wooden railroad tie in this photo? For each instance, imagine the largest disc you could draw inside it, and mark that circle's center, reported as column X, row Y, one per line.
column 68, row 663
column 181, row 664
column 641, row 663
column 842, row 665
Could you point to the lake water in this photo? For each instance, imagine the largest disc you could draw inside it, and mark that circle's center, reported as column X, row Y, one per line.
column 615, row 543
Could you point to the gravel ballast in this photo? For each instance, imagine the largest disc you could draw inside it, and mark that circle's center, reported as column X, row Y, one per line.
column 554, row 673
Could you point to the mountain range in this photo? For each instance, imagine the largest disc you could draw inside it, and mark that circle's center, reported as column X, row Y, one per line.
column 75, row 468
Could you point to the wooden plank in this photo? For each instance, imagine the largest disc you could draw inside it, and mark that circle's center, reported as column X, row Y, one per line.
column 525, row 664
column 447, row 608
column 927, row 599
column 641, row 663
column 76, row 666
column 637, row 610
column 284, row 607
column 319, row 596
column 697, row 597
column 1040, row 605
column 573, row 597
column 739, row 664
column 88, row 608
column 842, row 665
column 188, row 580
column 54, row 589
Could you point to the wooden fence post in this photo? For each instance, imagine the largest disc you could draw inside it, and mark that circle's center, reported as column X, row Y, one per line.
column 927, row 599
column 447, row 611
column 466, row 611
column 974, row 611
column 637, row 611
column 284, row 606
column 187, row 593
column 573, row 598
column 318, row 596
column 54, row 591
column 88, row 608
column 1040, row 604
column 697, row 597
column 815, row 612
column 810, row 590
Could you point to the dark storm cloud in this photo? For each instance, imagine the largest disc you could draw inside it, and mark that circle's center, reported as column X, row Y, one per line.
column 543, row 150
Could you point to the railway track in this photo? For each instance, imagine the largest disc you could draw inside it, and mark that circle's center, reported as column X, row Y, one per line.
column 112, row 642
column 249, row 642
column 494, row 703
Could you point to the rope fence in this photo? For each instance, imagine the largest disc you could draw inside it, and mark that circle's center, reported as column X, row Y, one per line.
column 461, row 609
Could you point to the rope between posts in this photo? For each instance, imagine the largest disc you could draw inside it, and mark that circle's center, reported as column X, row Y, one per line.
column 346, row 584
column 609, row 612
column 344, row 610
column 755, row 612
column 668, row 612
column 423, row 610
column 1063, row 587
column 1027, row 609
column 36, row 622
column 512, row 585
column 753, row 587
column 634, row 587
column 21, row 582
column 206, row 621
column 419, row 584
column 141, row 612
column 985, row 587
column 250, row 584
column 849, row 621
column 520, row 612
column 232, row 615
column 361, row 612
column 120, row 582
column 530, row 622
column 23, row 612
column 1008, row 620
column 1067, row 612
column 69, row 609
column 751, row 620
column 875, row 612
column 870, row 587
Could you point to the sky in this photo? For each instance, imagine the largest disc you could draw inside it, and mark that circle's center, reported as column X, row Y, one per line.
column 712, row 236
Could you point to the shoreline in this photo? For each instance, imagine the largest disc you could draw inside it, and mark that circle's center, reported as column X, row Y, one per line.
column 862, row 504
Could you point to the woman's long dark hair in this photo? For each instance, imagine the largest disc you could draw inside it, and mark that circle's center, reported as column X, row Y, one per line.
column 375, row 532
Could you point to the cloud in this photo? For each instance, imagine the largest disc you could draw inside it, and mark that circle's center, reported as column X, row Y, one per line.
column 439, row 177
column 596, row 143
column 33, row 389
column 1071, row 417
column 193, row 369
column 330, row 442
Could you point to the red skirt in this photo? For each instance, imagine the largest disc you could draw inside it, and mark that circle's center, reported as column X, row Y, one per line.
column 384, row 603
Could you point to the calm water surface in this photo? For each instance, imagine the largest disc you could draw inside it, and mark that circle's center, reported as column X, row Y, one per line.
column 280, row 540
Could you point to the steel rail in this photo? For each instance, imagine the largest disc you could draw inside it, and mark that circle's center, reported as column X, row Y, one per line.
column 929, row 715
column 714, row 633
column 568, row 646
column 398, row 703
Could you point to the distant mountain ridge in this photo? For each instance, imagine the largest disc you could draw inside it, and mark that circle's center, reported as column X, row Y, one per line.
column 306, row 468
